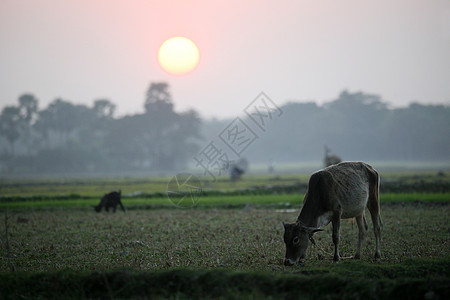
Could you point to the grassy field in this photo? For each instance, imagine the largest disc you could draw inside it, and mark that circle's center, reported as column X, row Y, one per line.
column 274, row 201
column 96, row 187
column 249, row 239
column 227, row 246
column 73, row 245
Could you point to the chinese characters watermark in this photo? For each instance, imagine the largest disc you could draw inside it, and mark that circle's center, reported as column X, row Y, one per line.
column 262, row 110
column 184, row 190
column 238, row 136
column 214, row 159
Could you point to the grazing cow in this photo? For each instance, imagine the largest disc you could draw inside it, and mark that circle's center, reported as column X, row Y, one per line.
column 330, row 159
column 110, row 200
column 337, row 192
column 238, row 168
column 236, row 173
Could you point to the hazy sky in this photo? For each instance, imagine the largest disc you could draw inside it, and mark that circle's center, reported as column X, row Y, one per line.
column 82, row 50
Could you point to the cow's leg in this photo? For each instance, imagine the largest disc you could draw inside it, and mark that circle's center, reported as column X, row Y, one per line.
column 362, row 228
column 336, row 223
column 376, row 220
column 121, row 206
column 374, row 208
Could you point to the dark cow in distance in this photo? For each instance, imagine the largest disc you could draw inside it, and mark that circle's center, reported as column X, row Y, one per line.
column 110, row 200
column 330, row 159
column 337, row 192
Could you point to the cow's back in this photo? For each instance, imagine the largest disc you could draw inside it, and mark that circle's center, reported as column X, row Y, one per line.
column 349, row 186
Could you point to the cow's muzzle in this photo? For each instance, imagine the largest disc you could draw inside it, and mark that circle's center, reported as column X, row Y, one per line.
column 289, row 262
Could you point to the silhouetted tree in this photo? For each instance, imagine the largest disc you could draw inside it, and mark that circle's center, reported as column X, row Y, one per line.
column 360, row 126
column 158, row 98
column 28, row 106
column 10, row 125
column 62, row 117
column 104, row 108
column 159, row 139
column 165, row 131
column 72, row 137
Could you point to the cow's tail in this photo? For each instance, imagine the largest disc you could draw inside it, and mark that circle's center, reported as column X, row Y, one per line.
column 378, row 198
column 375, row 192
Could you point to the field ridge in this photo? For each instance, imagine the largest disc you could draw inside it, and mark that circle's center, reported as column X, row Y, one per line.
column 351, row 280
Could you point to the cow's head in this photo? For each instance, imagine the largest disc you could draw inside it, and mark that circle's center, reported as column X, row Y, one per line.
column 296, row 238
column 102, row 203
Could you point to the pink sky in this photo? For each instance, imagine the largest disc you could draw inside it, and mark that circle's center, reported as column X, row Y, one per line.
column 82, row 50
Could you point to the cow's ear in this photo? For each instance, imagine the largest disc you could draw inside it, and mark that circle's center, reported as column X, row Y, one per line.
column 316, row 230
column 310, row 230
column 284, row 223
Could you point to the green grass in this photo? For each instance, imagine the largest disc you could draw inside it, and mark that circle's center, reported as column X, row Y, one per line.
column 56, row 246
column 84, row 186
column 213, row 253
column 414, row 197
column 283, row 200
column 96, row 187
column 246, row 239
column 347, row 280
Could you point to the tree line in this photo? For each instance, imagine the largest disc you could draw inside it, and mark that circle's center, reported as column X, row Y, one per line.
column 357, row 126
column 65, row 137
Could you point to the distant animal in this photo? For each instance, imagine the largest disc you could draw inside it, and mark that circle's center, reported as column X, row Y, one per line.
column 337, row 192
column 329, row 159
column 236, row 173
column 238, row 168
column 110, row 200
column 271, row 167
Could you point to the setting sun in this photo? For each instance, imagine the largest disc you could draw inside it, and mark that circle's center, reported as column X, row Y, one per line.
column 178, row 55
